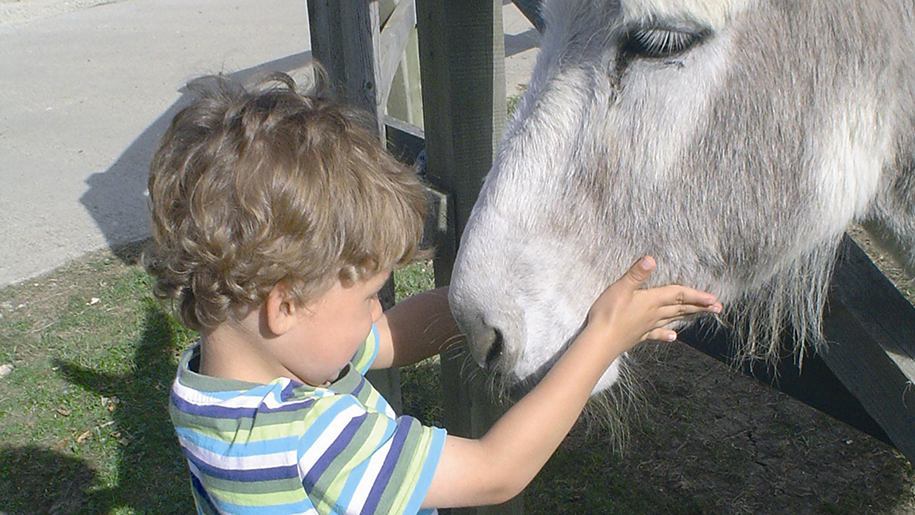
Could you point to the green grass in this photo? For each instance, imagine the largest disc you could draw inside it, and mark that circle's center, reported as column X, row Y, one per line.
column 84, row 426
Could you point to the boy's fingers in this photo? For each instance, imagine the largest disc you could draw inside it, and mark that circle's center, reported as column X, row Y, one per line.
column 672, row 313
column 662, row 335
column 681, row 295
column 639, row 272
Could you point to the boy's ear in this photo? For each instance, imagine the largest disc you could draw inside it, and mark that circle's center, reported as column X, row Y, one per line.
column 280, row 312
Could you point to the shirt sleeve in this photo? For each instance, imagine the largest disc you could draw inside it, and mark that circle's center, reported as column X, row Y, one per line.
column 363, row 462
column 366, row 354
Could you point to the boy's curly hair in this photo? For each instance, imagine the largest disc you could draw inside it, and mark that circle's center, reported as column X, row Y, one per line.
column 249, row 188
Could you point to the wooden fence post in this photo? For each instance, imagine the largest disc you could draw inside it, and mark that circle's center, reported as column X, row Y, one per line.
column 345, row 39
column 462, row 52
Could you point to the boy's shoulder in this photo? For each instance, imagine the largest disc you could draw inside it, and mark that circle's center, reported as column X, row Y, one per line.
column 197, row 395
column 237, row 433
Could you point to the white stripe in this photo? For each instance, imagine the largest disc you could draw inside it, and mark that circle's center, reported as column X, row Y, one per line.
column 239, row 462
column 327, row 437
column 371, row 474
column 243, row 400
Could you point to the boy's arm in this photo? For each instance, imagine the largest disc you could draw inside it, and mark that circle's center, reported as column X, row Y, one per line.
column 415, row 329
column 498, row 466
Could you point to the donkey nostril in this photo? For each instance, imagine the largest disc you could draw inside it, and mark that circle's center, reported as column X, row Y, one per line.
column 495, row 351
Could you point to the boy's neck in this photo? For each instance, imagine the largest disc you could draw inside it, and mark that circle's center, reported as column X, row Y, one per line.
column 236, row 350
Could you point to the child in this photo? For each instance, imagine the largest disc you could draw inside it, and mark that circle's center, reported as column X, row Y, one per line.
column 277, row 217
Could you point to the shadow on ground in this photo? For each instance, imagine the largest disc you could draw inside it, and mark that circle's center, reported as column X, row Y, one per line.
column 150, row 466
column 43, row 480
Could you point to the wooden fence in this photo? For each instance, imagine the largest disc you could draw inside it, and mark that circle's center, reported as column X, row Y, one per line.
column 372, row 50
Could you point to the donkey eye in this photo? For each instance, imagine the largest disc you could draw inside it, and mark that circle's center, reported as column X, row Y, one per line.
column 660, row 42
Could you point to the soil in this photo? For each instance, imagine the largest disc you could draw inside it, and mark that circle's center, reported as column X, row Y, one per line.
column 736, row 445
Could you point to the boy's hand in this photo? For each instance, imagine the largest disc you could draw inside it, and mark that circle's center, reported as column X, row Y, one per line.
column 499, row 465
column 626, row 315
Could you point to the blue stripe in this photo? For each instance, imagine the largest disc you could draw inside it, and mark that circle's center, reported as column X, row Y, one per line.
column 238, row 448
column 352, row 481
column 217, row 411
column 428, row 472
column 387, row 468
column 319, row 426
column 381, row 406
column 358, row 388
column 289, row 391
column 244, row 475
column 377, row 339
column 334, row 450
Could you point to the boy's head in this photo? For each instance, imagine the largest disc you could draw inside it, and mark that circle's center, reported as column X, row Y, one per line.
column 251, row 187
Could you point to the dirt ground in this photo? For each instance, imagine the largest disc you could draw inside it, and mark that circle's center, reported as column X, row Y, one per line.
column 735, row 444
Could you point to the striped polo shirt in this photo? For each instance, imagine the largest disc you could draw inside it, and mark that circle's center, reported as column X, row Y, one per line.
column 286, row 447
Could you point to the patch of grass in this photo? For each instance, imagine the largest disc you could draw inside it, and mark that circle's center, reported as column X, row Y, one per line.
column 83, row 416
column 413, row 279
column 580, row 478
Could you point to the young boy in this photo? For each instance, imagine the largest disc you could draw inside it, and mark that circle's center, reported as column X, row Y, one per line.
column 277, row 217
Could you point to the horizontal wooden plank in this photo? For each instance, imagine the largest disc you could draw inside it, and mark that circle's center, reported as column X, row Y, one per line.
column 405, row 141
column 877, row 304
column 863, row 375
column 817, row 386
column 870, row 329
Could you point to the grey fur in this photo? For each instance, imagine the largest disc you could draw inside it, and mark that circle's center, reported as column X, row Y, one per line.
column 737, row 164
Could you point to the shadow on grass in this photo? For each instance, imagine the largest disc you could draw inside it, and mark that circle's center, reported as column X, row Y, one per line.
column 151, row 475
column 39, row 480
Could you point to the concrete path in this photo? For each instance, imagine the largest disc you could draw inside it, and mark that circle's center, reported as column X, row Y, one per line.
column 87, row 93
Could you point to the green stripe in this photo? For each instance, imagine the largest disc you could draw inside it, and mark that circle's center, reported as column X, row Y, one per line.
column 418, row 463
column 361, row 448
column 229, row 430
column 253, row 487
column 233, row 495
column 397, row 491
column 201, row 503
column 361, row 359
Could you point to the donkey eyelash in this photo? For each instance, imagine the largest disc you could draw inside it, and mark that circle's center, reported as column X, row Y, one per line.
column 657, row 42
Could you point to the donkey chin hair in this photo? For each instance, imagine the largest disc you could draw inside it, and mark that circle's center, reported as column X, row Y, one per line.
column 787, row 307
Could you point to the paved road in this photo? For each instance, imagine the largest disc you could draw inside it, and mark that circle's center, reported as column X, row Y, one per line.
column 86, row 95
